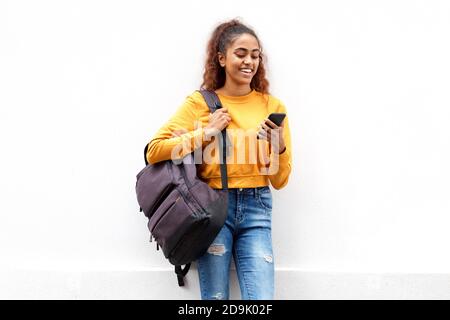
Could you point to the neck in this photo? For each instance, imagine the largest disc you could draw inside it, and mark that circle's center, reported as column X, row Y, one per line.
column 233, row 89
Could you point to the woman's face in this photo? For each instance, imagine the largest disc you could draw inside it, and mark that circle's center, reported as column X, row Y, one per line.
column 241, row 60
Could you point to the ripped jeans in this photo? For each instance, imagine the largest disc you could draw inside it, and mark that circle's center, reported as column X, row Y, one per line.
column 247, row 236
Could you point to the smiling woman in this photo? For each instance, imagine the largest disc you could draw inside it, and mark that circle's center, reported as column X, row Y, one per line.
column 234, row 48
column 235, row 71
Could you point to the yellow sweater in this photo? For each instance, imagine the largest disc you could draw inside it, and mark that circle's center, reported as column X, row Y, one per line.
column 250, row 162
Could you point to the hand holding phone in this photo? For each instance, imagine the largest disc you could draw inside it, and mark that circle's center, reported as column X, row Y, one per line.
column 277, row 118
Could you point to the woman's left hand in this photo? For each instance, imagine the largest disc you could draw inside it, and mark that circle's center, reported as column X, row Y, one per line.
column 273, row 134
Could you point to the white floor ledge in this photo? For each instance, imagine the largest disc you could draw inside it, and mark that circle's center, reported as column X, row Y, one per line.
column 162, row 284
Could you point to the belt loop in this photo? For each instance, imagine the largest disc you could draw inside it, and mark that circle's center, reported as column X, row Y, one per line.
column 256, row 192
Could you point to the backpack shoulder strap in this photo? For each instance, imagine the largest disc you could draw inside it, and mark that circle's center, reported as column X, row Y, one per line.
column 213, row 102
column 181, row 273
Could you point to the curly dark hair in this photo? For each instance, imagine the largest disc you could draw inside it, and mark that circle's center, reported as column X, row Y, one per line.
column 223, row 35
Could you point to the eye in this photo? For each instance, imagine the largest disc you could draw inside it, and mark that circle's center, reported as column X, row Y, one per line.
column 241, row 54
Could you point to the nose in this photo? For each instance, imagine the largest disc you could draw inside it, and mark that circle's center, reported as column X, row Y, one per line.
column 246, row 60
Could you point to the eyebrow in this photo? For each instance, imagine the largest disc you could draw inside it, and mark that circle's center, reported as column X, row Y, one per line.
column 245, row 49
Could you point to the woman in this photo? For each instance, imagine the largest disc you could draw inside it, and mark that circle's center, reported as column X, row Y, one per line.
column 260, row 154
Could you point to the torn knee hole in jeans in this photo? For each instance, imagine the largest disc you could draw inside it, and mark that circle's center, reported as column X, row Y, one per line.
column 216, row 249
column 218, row 296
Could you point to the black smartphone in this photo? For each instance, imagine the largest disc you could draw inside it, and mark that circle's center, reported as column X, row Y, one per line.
column 277, row 118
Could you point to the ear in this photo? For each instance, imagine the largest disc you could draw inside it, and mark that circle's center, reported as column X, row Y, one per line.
column 221, row 58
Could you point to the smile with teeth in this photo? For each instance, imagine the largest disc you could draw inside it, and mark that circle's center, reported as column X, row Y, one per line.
column 246, row 70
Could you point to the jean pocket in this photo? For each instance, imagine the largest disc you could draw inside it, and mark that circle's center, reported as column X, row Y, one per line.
column 265, row 200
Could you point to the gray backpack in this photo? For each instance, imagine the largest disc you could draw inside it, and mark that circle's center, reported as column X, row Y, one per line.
column 184, row 213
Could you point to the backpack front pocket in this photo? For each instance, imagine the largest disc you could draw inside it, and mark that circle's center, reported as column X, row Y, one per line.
column 172, row 220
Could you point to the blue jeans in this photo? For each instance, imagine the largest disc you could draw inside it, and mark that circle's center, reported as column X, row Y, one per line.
column 247, row 236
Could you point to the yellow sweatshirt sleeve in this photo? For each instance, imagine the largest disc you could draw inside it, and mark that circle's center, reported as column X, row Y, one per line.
column 282, row 163
column 165, row 146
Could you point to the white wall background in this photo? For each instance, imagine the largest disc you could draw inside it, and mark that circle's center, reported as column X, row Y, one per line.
column 85, row 84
